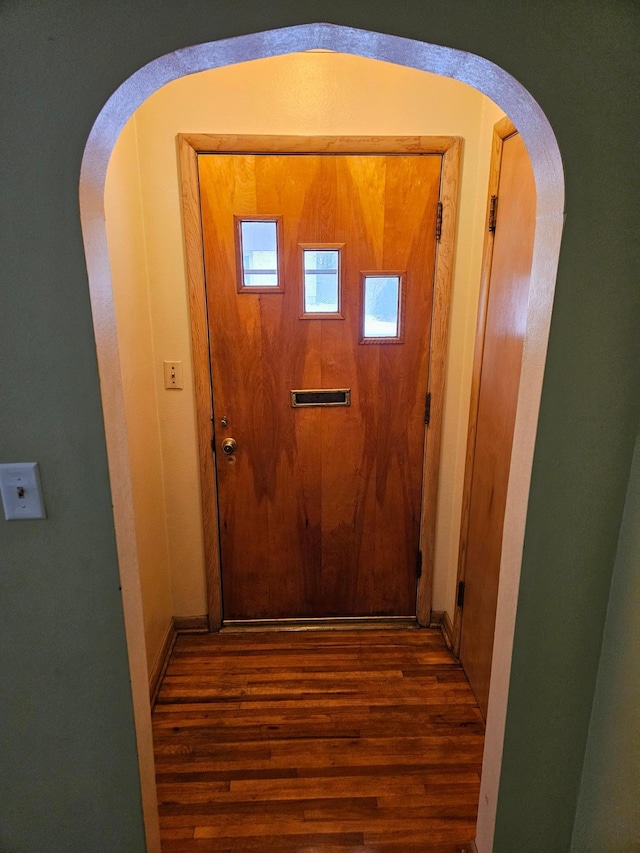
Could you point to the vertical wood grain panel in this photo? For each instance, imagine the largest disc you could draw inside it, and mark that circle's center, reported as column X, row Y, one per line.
column 503, row 129
column 497, row 403
column 411, row 197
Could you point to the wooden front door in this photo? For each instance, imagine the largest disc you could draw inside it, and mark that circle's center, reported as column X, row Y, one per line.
column 319, row 505
column 498, row 362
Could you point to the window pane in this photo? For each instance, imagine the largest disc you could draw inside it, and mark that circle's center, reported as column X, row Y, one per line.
column 381, row 298
column 320, row 281
column 259, row 253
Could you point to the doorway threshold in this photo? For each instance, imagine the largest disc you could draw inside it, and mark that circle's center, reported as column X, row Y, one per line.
column 320, row 624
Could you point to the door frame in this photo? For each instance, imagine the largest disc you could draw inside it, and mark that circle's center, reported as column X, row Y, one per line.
column 190, row 145
column 502, row 130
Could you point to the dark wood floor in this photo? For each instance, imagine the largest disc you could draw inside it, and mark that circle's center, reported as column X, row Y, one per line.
column 317, row 742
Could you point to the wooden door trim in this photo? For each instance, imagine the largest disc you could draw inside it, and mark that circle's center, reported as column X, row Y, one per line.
column 192, row 144
column 445, row 249
column 502, row 130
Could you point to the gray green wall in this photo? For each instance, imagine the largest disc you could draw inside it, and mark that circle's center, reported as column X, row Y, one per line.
column 68, row 779
column 608, row 816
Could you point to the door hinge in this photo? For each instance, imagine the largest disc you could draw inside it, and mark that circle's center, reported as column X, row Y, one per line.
column 439, row 222
column 493, row 213
column 419, row 565
column 460, row 598
column 427, row 408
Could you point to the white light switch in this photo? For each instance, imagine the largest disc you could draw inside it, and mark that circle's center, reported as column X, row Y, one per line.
column 173, row 374
column 21, row 491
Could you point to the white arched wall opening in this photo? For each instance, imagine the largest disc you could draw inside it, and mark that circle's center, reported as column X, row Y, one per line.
column 538, row 136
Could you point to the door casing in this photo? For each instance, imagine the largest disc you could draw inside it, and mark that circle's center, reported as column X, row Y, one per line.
column 189, row 146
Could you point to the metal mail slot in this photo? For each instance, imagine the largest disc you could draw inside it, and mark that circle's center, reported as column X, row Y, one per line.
column 319, row 397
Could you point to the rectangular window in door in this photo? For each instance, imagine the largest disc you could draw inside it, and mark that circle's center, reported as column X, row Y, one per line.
column 321, row 281
column 259, row 254
column 382, row 307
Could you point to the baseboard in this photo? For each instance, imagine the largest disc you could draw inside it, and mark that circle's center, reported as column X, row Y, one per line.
column 441, row 619
column 447, row 630
column 191, row 624
column 158, row 670
column 436, row 618
column 178, row 625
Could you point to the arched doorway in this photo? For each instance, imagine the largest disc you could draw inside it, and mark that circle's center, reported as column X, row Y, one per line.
column 538, row 136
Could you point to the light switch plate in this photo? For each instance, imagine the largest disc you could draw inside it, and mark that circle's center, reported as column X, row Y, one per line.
column 21, row 491
column 173, row 375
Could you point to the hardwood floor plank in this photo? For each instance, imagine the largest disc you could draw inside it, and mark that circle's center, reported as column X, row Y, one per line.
column 249, row 810
column 371, row 829
column 447, row 833
column 402, row 814
column 317, row 741
column 299, row 843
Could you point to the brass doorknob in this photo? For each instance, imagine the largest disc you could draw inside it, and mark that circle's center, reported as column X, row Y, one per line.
column 229, row 446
